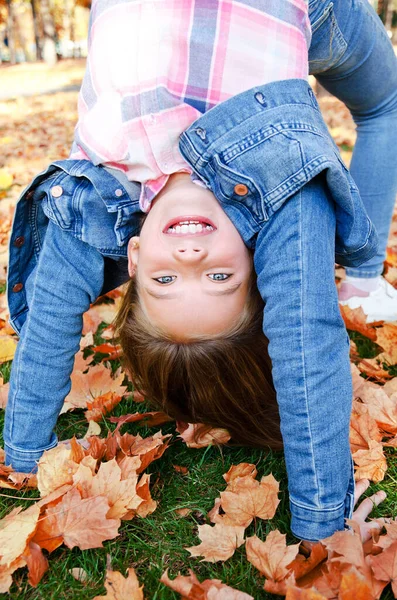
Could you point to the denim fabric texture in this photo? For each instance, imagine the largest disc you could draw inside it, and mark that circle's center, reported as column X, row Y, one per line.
column 352, row 57
column 68, row 246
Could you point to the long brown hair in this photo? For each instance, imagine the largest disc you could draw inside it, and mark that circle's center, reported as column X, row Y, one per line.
column 223, row 381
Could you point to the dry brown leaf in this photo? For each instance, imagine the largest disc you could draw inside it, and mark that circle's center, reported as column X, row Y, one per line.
column 16, row 530
column 79, row 574
column 148, row 505
column 4, row 390
column 151, row 419
column 386, row 337
column 6, row 574
column 218, row 542
column 271, row 557
column 381, row 408
column 211, row 589
column 55, row 469
column 88, row 386
column 363, row 428
column 356, row 320
column 240, row 470
column 36, row 562
column 122, row 588
column 198, row 435
column 102, row 405
column 302, row 565
column 370, row 464
column 374, row 370
column 295, row 593
column 247, row 499
column 390, row 387
column 354, row 586
column 76, row 521
column 384, row 566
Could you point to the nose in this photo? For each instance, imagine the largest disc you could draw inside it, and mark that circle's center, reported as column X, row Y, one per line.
column 190, row 253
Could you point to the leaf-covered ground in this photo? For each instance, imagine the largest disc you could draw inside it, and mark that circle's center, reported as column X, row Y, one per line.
column 128, row 497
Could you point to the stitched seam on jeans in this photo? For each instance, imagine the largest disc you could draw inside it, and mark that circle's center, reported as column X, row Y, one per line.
column 303, row 355
column 310, row 509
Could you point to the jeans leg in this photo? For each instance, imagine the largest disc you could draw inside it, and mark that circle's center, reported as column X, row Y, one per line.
column 364, row 77
column 67, row 278
column 309, row 349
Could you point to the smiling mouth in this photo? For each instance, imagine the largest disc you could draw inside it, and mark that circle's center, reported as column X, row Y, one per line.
column 189, row 226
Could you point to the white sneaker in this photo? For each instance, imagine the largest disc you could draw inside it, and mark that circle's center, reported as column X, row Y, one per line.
column 378, row 305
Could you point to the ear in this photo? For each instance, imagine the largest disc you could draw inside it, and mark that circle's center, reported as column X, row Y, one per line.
column 133, row 253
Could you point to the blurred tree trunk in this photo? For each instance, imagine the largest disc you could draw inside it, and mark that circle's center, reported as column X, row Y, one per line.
column 39, row 55
column 49, row 47
column 11, row 32
column 388, row 13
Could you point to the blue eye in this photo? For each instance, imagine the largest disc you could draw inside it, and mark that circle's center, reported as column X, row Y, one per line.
column 219, row 276
column 165, row 279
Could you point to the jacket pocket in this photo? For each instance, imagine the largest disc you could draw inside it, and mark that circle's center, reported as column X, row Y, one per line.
column 328, row 44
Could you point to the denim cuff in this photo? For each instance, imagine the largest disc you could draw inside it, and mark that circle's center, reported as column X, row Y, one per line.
column 316, row 524
column 25, row 461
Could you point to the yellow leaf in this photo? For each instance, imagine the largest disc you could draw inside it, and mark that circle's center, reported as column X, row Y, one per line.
column 8, row 346
column 6, row 179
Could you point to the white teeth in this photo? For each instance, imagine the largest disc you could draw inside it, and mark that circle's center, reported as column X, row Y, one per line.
column 208, row 227
column 178, row 229
column 199, row 228
column 192, row 228
column 184, row 228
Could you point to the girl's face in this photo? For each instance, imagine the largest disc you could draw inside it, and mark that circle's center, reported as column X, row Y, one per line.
column 191, row 265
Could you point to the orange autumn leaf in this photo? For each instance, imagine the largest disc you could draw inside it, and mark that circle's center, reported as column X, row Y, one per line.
column 370, row 463
column 363, row 428
column 101, row 405
column 55, row 468
column 381, row 408
column 76, row 521
column 190, row 588
column 88, row 386
column 148, row 505
column 6, row 574
column 356, row 320
column 218, row 542
column 371, row 368
column 354, row 586
column 122, row 588
column 302, row 565
column 295, row 593
column 271, row 557
column 151, row 418
column 198, row 435
column 384, row 566
column 8, row 345
column 246, row 498
column 240, row 470
column 386, row 337
column 16, row 530
column 36, row 562
column 4, row 390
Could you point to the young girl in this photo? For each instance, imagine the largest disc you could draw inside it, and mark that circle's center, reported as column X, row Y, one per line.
column 153, row 69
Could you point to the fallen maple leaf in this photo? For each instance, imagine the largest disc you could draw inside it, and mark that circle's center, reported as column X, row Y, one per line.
column 356, row 320
column 271, row 557
column 295, row 593
column 6, row 574
column 384, row 566
column 122, row 588
column 7, row 348
column 354, row 586
column 16, row 530
column 76, row 521
column 101, row 405
column 386, row 337
column 36, row 562
column 370, row 463
column 88, row 386
column 363, row 428
column 382, row 408
column 4, row 389
column 240, row 470
column 198, row 435
column 151, row 419
column 218, row 542
column 246, row 498
column 190, row 588
column 55, row 468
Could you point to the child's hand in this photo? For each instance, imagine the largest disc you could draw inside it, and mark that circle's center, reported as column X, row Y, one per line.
column 365, row 507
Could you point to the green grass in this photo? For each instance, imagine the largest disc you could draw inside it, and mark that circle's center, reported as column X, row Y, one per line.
column 157, row 543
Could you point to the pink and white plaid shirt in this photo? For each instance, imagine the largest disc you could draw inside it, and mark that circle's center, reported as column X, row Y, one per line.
column 154, row 66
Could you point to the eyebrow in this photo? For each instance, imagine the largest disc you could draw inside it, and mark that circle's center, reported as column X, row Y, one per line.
column 228, row 292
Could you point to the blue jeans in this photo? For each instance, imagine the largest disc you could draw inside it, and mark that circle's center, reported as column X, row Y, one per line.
column 68, row 246
column 352, row 57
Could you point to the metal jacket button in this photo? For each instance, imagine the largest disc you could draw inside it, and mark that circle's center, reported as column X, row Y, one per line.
column 56, row 191
column 17, row 287
column 118, row 192
column 19, row 241
column 240, row 189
